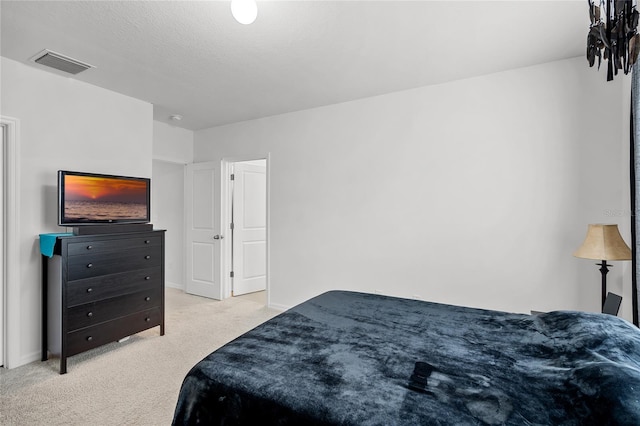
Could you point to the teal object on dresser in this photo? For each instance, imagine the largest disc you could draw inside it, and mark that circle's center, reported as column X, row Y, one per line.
column 48, row 242
column 99, row 289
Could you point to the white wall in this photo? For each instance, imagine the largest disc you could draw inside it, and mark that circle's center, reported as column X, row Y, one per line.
column 474, row 192
column 172, row 149
column 172, row 144
column 65, row 124
column 167, row 212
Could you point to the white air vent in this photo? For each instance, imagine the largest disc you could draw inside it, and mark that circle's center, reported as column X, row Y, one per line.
column 60, row 62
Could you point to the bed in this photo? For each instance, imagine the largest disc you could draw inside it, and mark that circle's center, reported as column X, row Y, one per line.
column 347, row 358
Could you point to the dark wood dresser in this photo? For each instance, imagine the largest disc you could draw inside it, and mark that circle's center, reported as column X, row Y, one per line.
column 99, row 289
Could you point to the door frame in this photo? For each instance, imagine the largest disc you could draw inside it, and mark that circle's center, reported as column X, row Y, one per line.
column 225, row 217
column 10, row 280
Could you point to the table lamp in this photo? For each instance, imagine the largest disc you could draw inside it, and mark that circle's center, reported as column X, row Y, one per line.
column 603, row 242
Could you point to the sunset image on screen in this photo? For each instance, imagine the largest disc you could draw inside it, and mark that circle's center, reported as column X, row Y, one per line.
column 85, row 188
column 104, row 199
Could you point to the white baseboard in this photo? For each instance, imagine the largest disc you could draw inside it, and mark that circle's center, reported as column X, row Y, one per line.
column 27, row 359
column 278, row 307
column 173, row 285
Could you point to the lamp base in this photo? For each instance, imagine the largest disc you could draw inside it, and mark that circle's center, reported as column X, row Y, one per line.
column 604, row 269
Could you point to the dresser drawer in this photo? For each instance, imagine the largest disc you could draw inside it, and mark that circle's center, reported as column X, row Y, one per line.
column 117, row 244
column 97, row 312
column 100, row 334
column 103, row 287
column 91, row 265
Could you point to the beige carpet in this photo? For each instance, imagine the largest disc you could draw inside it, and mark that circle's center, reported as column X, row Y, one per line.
column 131, row 383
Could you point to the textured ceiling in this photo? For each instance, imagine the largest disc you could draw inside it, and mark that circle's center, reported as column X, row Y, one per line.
column 192, row 58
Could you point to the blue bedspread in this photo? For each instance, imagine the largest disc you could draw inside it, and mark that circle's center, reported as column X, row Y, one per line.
column 346, row 358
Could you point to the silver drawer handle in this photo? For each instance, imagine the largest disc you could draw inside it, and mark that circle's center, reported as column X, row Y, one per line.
column 147, row 278
column 89, row 314
column 147, row 319
column 89, row 338
column 147, row 241
column 147, row 298
column 90, row 265
column 147, row 257
column 89, row 290
column 89, row 247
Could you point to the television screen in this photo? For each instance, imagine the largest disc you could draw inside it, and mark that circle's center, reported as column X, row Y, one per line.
column 90, row 198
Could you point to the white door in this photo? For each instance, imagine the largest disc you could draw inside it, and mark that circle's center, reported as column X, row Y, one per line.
column 202, row 231
column 2, row 242
column 249, row 227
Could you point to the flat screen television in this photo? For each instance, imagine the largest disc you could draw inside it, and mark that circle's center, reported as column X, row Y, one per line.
column 97, row 199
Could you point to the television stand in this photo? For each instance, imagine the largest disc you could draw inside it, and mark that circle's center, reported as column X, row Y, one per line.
column 98, row 289
column 115, row 228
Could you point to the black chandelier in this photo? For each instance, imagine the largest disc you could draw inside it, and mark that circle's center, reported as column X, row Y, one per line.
column 613, row 35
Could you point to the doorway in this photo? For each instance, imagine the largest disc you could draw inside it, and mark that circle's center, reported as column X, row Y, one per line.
column 246, row 250
column 3, row 138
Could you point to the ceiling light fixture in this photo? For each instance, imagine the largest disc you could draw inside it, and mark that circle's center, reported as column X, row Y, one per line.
column 244, row 11
column 613, row 35
column 175, row 117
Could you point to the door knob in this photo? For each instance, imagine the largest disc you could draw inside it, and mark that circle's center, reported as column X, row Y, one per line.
column 218, row 237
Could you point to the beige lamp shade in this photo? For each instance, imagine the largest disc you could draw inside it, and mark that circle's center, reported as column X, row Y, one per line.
column 603, row 242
